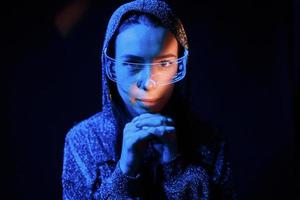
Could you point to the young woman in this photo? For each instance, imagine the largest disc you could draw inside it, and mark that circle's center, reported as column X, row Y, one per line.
column 145, row 143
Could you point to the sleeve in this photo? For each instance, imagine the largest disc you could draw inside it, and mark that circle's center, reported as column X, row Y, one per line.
column 83, row 179
column 184, row 180
column 222, row 180
column 77, row 175
column 119, row 186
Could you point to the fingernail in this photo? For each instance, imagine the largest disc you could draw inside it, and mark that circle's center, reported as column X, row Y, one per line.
column 169, row 119
column 138, row 124
column 170, row 129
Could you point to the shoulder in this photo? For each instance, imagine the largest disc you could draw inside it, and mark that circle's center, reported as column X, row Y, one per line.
column 86, row 128
column 89, row 135
column 92, row 136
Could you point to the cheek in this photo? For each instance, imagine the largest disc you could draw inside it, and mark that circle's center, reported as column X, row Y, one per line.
column 126, row 91
column 122, row 76
column 169, row 90
column 123, row 92
column 165, row 92
column 125, row 80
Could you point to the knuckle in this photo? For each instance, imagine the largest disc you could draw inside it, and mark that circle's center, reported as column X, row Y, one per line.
column 127, row 126
column 151, row 130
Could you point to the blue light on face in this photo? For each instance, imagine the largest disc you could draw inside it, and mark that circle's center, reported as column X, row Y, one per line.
column 146, row 65
column 176, row 68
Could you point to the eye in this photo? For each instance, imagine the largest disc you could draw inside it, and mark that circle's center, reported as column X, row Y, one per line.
column 132, row 66
column 165, row 63
column 130, row 63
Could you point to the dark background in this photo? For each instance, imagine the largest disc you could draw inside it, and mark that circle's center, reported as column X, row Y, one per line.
column 245, row 73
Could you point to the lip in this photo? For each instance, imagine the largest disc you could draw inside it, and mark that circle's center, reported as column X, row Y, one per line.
column 150, row 100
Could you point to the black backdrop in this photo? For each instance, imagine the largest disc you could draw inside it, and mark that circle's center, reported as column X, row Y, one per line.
column 244, row 56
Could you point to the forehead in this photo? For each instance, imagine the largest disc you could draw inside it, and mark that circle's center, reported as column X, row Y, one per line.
column 145, row 41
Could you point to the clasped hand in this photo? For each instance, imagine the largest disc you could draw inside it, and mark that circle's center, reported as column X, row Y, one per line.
column 137, row 135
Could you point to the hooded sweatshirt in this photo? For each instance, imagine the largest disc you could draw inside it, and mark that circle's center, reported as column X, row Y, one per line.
column 92, row 148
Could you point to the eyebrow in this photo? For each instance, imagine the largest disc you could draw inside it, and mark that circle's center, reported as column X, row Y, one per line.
column 170, row 55
column 134, row 57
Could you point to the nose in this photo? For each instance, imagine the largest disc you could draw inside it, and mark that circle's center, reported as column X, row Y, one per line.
column 144, row 80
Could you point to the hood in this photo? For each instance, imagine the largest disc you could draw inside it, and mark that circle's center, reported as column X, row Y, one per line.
column 161, row 10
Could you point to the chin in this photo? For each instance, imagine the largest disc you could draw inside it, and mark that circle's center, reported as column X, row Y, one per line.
column 153, row 108
column 142, row 109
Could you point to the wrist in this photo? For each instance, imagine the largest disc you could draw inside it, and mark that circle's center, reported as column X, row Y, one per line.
column 128, row 168
column 169, row 156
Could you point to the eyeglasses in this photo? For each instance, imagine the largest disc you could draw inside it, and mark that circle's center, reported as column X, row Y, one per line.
column 159, row 73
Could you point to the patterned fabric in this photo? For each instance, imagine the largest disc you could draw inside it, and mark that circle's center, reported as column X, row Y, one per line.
column 92, row 147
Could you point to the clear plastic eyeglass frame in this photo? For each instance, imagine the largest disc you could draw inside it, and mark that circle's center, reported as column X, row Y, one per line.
column 160, row 73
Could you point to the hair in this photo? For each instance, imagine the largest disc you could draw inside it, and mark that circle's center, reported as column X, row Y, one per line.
column 133, row 18
column 139, row 18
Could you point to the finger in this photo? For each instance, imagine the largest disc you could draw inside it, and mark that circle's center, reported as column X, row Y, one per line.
column 144, row 135
column 131, row 130
column 130, row 127
column 160, row 130
column 139, row 137
column 136, row 118
column 149, row 115
column 157, row 120
column 163, row 134
column 145, row 115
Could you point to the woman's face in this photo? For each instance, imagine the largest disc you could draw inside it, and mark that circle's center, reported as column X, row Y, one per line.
column 139, row 43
